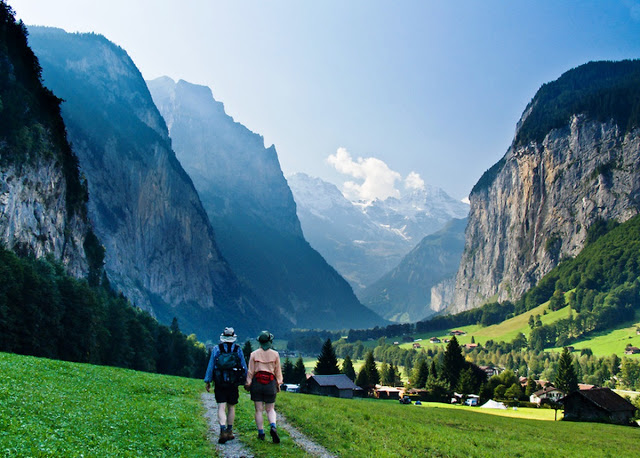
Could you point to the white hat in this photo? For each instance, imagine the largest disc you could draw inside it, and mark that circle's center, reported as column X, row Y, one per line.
column 228, row 335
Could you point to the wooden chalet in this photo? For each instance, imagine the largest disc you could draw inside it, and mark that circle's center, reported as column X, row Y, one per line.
column 337, row 386
column 598, row 404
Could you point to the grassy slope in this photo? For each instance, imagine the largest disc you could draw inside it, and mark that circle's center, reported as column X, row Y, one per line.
column 602, row 344
column 57, row 408
column 364, row 428
column 54, row 408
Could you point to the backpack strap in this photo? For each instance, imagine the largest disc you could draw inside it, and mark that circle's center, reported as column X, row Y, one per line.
column 234, row 348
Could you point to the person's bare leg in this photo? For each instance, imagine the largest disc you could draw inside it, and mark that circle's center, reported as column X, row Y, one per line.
column 222, row 414
column 259, row 419
column 271, row 415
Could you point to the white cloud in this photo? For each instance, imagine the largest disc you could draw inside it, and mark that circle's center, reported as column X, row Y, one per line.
column 378, row 181
column 413, row 181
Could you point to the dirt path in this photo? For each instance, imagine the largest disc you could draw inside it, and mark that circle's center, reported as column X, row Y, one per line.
column 235, row 448
column 303, row 441
column 231, row 449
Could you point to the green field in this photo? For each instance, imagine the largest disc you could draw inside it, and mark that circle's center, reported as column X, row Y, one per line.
column 54, row 408
column 603, row 343
column 365, row 428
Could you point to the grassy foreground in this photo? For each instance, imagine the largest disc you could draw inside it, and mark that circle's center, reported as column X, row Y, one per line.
column 55, row 408
column 365, row 428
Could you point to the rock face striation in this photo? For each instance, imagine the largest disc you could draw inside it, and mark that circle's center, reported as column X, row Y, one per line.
column 160, row 246
column 253, row 212
column 574, row 159
column 42, row 201
column 364, row 241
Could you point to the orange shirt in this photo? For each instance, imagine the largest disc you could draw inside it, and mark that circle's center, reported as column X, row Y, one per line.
column 267, row 361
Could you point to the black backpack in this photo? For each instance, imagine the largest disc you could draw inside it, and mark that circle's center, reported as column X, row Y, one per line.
column 228, row 368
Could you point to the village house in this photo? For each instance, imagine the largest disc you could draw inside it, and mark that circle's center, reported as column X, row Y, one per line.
column 598, row 404
column 490, row 370
column 549, row 392
column 434, row 340
column 457, row 333
column 631, row 350
column 337, row 386
column 471, row 346
column 417, row 345
column 387, row 392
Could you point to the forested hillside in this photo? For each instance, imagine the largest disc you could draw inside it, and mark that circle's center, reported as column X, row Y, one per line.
column 45, row 312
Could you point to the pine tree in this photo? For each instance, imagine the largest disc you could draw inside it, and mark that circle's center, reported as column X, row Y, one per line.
column 421, row 374
column 384, row 374
column 327, row 361
column 368, row 376
column 466, row 382
column 287, row 371
column 299, row 371
column 453, row 362
column 246, row 351
column 566, row 380
column 347, row 368
column 531, row 386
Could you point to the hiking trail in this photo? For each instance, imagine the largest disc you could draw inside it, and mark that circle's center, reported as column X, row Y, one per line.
column 236, row 449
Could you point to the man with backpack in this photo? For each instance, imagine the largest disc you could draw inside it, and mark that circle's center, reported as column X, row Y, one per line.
column 227, row 369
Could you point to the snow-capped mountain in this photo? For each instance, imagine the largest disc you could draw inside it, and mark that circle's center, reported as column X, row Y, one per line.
column 364, row 240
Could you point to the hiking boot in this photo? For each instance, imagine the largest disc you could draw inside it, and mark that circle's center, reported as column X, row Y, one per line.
column 274, row 436
column 230, row 435
column 261, row 436
column 225, row 436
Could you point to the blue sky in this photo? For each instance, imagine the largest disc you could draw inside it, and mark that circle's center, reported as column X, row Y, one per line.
column 432, row 88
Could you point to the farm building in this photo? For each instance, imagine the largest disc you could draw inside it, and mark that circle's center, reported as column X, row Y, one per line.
column 631, row 350
column 549, row 392
column 598, row 404
column 387, row 392
column 337, row 386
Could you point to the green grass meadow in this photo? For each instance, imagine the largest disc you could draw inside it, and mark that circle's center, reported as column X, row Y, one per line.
column 366, row 428
column 53, row 408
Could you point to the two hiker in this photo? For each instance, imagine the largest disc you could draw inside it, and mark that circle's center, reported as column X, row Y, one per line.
column 262, row 378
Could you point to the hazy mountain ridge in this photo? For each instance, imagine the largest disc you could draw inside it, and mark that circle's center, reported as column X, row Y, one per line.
column 160, row 247
column 406, row 293
column 363, row 241
column 252, row 210
column 534, row 207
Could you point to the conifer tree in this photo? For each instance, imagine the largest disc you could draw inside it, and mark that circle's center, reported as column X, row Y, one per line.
column 246, row 351
column 299, row 371
column 566, row 380
column 287, row 371
column 368, row 376
column 347, row 368
column 453, row 363
column 327, row 361
column 421, row 374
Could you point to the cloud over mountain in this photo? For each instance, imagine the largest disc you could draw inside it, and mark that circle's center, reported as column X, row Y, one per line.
column 376, row 180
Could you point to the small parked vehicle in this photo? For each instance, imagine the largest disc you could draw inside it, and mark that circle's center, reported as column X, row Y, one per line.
column 405, row 400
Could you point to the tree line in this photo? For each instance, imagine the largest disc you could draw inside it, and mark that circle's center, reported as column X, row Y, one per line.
column 45, row 312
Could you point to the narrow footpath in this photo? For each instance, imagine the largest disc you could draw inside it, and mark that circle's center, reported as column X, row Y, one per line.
column 236, row 449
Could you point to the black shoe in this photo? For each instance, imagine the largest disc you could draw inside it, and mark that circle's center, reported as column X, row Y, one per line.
column 274, row 436
column 223, row 437
column 261, row 436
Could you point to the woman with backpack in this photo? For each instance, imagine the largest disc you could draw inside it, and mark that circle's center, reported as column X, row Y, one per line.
column 264, row 378
column 227, row 368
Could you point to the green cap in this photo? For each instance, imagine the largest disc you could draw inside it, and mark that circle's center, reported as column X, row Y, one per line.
column 266, row 339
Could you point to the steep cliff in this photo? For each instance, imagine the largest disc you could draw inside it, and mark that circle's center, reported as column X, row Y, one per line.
column 160, row 246
column 42, row 200
column 252, row 210
column 575, row 159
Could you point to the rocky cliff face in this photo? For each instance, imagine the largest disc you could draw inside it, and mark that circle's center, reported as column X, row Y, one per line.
column 252, row 210
column 34, row 219
column 42, row 202
column 534, row 207
column 160, row 246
